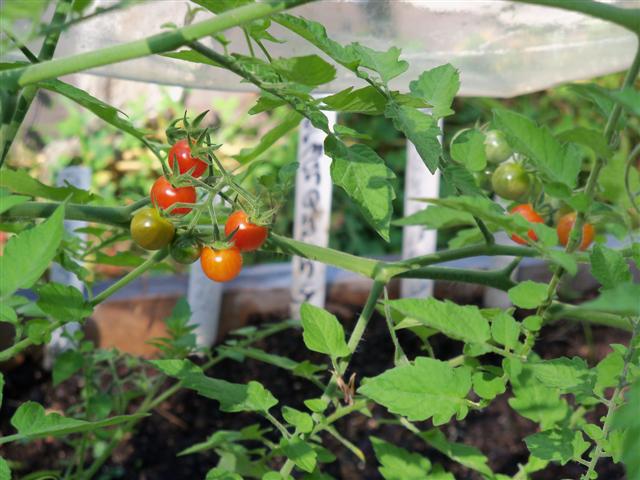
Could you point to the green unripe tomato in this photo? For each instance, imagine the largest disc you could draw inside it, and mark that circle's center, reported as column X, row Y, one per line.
column 483, row 178
column 150, row 230
column 511, row 181
column 496, row 147
column 185, row 249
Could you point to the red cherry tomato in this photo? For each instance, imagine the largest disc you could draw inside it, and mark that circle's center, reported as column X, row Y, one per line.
column 163, row 195
column 181, row 152
column 565, row 225
column 530, row 215
column 221, row 265
column 248, row 236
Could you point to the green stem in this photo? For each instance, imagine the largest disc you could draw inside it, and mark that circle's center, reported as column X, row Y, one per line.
column 155, row 44
column 559, row 311
column 628, row 18
column 132, row 275
column 493, row 278
column 116, row 216
column 15, row 349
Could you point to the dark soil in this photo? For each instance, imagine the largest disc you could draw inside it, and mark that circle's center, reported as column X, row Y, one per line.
column 187, row 418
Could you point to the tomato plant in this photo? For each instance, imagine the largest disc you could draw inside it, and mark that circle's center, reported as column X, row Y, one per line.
column 244, row 234
column 441, row 359
column 221, row 264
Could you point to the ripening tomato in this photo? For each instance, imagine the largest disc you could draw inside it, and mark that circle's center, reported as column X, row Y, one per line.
column 530, row 215
column 150, row 230
column 565, row 225
column 221, row 265
column 511, row 181
column 185, row 249
column 181, row 151
column 248, row 236
column 496, row 147
column 163, row 195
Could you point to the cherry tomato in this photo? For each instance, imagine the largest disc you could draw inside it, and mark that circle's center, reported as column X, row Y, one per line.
column 530, row 215
column 185, row 249
column 511, row 181
column 181, row 152
column 496, row 147
column 565, row 225
column 150, row 230
column 221, row 265
column 248, row 236
column 483, row 178
column 163, row 195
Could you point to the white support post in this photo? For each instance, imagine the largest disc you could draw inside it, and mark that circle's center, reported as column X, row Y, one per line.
column 205, row 300
column 80, row 177
column 312, row 214
column 416, row 240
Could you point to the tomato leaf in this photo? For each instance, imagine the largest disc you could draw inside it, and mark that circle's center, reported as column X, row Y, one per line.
column 19, row 181
column 397, row 463
column 528, row 294
column 63, row 302
column 28, row 254
column 469, row 150
column 560, row 445
column 308, row 70
column 366, row 100
column 609, row 266
column 438, row 87
column 386, row 64
column 66, row 364
column 300, row 453
column 322, row 332
column 465, row 455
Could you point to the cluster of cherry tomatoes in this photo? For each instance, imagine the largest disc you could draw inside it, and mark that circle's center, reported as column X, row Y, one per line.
column 152, row 229
column 510, row 180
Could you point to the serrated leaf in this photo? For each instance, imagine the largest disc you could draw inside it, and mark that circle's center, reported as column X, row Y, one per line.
column 28, row 254
column 459, row 178
column 505, row 330
column 609, row 267
column 466, row 455
column 559, row 445
column 31, row 421
column 322, row 332
column 39, row 331
column 487, row 385
column 468, row 149
column 436, row 218
column 8, row 314
column 438, row 87
column 608, row 372
column 399, row 464
column 360, row 172
column 588, row 137
column 307, row 70
column 300, row 452
column 528, row 294
column 554, row 161
column 65, row 365
column 219, row 473
column 366, row 100
column 19, row 181
column 428, row 388
column 566, row 374
column 301, row 420
column 622, row 300
column 5, row 471
column 386, row 64
column 627, row 420
column 421, row 129
column 62, row 302
column 464, row 323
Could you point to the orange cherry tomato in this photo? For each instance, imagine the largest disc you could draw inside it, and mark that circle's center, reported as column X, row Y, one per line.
column 221, row 265
column 163, row 195
column 530, row 215
column 565, row 225
column 248, row 236
column 181, row 152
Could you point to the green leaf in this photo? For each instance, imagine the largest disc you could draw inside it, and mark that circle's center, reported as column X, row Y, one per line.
column 465, row 455
column 218, row 473
column 422, row 390
column 487, row 385
column 627, row 420
column 421, row 129
column 322, row 332
column 316, row 405
column 31, row 421
column 8, row 201
column 459, row 178
column 533, row 323
column 468, row 149
column 588, row 137
column 5, row 471
column 608, row 372
column 360, row 172
column 563, row 259
column 39, row 331
column 563, row 373
column 559, row 445
column 386, row 64
column 300, row 453
column 28, row 254
column 308, row 70
column 366, row 100
column 609, row 267
column 528, row 294
column 8, row 314
column 19, row 181
column 191, row 56
column 505, row 330
column 399, row 464
column 66, row 364
column 622, row 300
column 554, row 161
column 291, row 121
column 464, row 323
column 63, row 302
column 101, row 109
column 233, row 397
column 437, row 218
column 301, row 420
column 438, row 87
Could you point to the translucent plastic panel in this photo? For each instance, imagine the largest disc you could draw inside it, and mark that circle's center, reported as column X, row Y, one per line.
column 501, row 48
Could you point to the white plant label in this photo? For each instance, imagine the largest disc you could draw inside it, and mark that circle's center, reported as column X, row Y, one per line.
column 312, row 214
column 205, row 300
column 416, row 240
